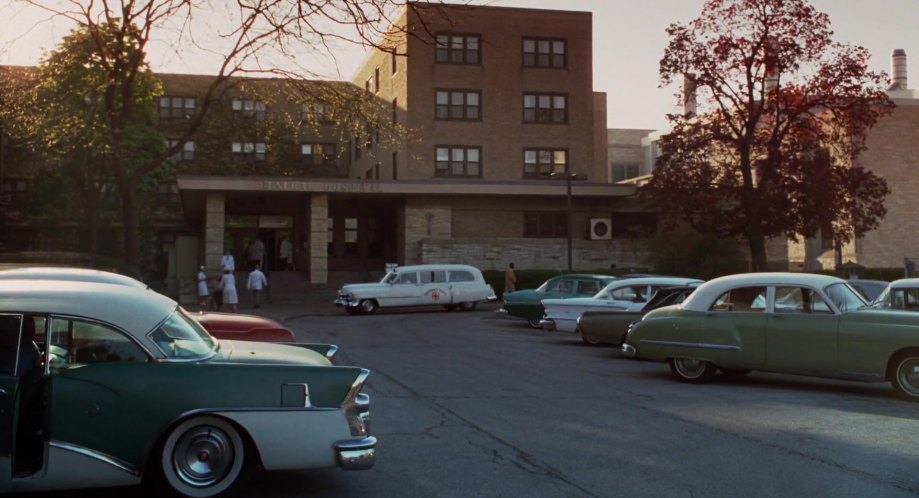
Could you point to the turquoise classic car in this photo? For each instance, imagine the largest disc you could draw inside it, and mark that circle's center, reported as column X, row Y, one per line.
column 902, row 294
column 781, row 322
column 527, row 303
column 108, row 385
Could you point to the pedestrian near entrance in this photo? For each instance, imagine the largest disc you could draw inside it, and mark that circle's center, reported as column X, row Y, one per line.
column 228, row 287
column 257, row 282
column 203, row 293
column 510, row 279
column 228, row 261
column 284, row 254
column 256, row 253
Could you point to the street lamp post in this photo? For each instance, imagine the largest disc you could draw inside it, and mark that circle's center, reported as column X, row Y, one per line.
column 568, row 177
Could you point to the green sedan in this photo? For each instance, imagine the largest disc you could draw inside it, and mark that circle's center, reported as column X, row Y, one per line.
column 108, row 385
column 802, row 324
column 527, row 304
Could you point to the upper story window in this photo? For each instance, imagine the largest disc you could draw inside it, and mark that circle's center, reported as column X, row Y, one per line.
column 458, row 49
column 255, row 151
column 176, row 107
column 540, row 163
column 367, row 84
column 187, row 153
column 376, row 80
column 316, row 113
column 458, row 161
column 248, row 108
column 545, row 108
column 539, row 52
column 457, row 104
column 624, row 172
column 17, row 192
column 318, row 154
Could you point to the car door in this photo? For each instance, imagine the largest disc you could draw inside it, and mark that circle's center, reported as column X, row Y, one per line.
column 434, row 287
column 801, row 332
column 10, row 327
column 404, row 290
column 732, row 332
column 101, row 389
column 463, row 287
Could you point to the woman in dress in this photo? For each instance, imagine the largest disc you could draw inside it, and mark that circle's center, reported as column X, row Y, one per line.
column 203, row 293
column 228, row 286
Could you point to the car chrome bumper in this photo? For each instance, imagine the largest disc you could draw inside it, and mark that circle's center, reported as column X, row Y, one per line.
column 501, row 310
column 345, row 303
column 628, row 351
column 547, row 324
column 358, row 454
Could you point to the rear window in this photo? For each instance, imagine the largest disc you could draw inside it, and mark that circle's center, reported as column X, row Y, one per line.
column 743, row 299
column 461, row 276
column 436, row 276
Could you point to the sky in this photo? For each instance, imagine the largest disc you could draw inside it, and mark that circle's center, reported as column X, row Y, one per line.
column 629, row 40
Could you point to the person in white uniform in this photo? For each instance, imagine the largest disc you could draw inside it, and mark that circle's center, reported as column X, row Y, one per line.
column 203, row 292
column 228, row 286
column 257, row 282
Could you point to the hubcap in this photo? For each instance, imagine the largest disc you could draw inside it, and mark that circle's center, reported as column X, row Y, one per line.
column 203, row 456
column 690, row 368
column 908, row 376
column 367, row 306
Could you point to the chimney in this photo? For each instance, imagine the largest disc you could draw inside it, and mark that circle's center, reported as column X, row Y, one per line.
column 898, row 70
column 689, row 95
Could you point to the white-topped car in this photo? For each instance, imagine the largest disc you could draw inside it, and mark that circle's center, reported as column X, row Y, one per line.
column 630, row 294
column 450, row 286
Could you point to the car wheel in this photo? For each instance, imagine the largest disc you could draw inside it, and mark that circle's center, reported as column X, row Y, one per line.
column 467, row 306
column 905, row 377
column 368, row 306
column 589, row 340
column 534, row 322
column 204, row 457
column 690, row 370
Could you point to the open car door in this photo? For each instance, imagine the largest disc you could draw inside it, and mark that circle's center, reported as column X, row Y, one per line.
column 10, row 327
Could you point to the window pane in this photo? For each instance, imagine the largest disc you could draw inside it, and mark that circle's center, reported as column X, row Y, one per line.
column 237, row 105
column 457, row 168
column 472, row 168
column 457, row 154
column 472, row 99
column 442, row 97
column 558, row 101
column 558, row 47
column 237, row 148
column 543, row 46
column 544, row 101
column 443, row 154
column 560, row 156
column 472, row 42
column 307, row 150
column 442, row 40
column 529, row 45
column 529, row 101
column 472, row 155
column 472, row 113
column 457, row 98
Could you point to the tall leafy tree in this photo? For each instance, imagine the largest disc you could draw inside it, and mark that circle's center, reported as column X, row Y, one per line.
column 781, row 116
column 254, row 37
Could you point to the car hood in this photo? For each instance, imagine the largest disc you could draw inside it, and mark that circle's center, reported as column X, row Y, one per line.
column 358, row 288
column 524, row 296
column 267, row 353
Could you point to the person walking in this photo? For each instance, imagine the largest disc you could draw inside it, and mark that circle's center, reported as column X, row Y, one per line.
column 228, row 286
column 284, row 253
column 228, row 261
column 510, row 279
column 203, row 292
column 257, row 282
column 256, row 253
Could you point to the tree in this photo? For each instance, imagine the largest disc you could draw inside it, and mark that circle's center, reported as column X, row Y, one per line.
column 261, row 37
column 783, row 113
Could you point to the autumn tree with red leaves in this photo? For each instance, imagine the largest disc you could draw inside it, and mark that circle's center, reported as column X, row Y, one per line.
column 781, row 116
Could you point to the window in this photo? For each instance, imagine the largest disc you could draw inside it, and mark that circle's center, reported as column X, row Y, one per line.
column 433, row 277
column 633, row 293
column 187, row 153
column 330, row 233
column 799, row 300
column 457, row 104
column 176, row 107
column 368, row 83
column 249, row 109
column 588, row 288
column 316, row 113
column 410, row 278
column 624, row 172
column 545, row 224
column 457, row 49
column 545, row 108
column 318, row 154
column 16, row 191
column 249, row 150
column 743, row 299
column 540, row 163
column 351, row 248
column 539, row 52
column 461, row 276
column 376, row 80
column 633, row 225
column 78, row 342
column 458, row 161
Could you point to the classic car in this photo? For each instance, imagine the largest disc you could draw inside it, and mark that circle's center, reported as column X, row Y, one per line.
column 902, row 294
column 107, row 385
column 220, row 325
column 627, row 295
column 526, row 303
column 610, row 326
column 450, row 286
column 795, row 323
column 869, row 289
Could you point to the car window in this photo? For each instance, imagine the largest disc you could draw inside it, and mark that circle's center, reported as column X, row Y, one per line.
column 844, row 297
column 406, row 278
column 905, row 299
column 799, row 300
column 10, row 326
column 436, row 276
column 76, row 342
column 742, row 299
column 461, row 276
column 588, row 287
column 635, row 293
column 552, row 286
column 182, row 337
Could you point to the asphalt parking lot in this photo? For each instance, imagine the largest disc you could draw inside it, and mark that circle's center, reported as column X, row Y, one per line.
column 477, row 404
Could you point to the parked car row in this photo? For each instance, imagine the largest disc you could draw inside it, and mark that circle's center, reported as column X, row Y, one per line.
column 104, row 382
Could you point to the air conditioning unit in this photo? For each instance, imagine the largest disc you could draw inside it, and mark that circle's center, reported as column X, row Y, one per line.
column 600, row 228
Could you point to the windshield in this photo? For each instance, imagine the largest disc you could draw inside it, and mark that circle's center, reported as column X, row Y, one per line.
column 844, row 297
column 180, row 336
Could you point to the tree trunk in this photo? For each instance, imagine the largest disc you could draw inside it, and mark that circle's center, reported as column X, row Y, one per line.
column 92, row 220
column 129, row 217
